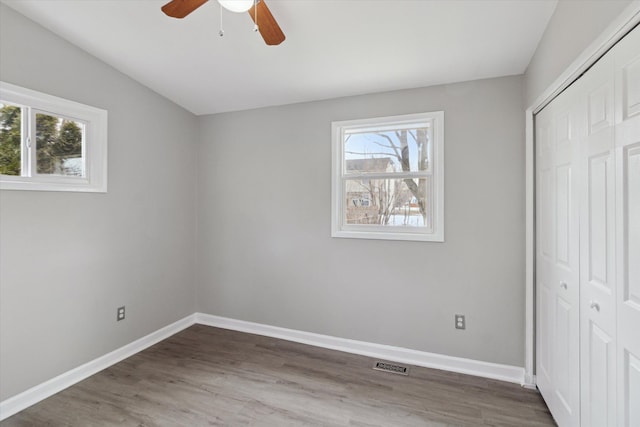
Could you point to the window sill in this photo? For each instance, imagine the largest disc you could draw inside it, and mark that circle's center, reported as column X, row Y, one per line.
column 81, row 186
column 389, row 235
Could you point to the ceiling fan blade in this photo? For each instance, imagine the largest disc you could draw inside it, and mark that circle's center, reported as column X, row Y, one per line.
column 267, row 25
column 181, row 8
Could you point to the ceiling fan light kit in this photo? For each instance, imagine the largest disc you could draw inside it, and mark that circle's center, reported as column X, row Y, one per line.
column 238, row 6
column 268, row 28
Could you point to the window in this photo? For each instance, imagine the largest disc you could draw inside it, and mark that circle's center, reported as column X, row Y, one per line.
column 388, row 178
column 50, row 144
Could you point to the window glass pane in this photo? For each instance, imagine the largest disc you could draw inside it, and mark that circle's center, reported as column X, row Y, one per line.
column 10, row 139
column 389, row 202
column 59, row 146
column 400, row 150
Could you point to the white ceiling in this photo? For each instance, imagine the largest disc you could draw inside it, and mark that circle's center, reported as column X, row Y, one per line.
column 333, row 48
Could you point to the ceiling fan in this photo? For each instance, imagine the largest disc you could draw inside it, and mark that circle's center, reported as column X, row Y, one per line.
column 258, row 10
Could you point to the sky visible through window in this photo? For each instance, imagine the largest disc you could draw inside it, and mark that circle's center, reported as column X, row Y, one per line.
column 387, row 144
column 387, row 200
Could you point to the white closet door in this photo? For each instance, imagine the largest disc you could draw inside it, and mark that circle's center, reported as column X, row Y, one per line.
column 545, row 225
column 597, row 248
column 588, row 245
column 558, row 133
column 627, row 133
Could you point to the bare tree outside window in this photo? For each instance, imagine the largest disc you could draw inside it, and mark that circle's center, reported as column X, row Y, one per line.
column 391, row 202
column 388, row 180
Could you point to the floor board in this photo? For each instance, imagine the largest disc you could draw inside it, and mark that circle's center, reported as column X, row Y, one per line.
column 208, row 376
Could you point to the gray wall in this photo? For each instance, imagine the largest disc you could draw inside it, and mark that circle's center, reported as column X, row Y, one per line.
column 67, row 260
column 266, row 254
column 574, row 25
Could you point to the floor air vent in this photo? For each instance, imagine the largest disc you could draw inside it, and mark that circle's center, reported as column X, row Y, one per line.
column 390, row 367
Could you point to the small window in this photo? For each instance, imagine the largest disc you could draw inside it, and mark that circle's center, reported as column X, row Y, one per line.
column 388, row 178
column 50, row 144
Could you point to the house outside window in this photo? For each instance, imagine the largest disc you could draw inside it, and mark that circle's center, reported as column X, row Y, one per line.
column 388, row 178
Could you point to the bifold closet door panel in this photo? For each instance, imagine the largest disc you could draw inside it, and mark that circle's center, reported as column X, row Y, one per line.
column 597, row 247
column 557, row 130
column 627, row 131
column 545, row 225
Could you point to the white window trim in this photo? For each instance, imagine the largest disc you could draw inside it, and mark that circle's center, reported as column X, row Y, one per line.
column 339, row 229
column 95, row 179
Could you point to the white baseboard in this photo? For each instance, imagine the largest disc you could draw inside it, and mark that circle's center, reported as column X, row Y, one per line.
column 530, row 382
column 514, row 374
column 48, row 388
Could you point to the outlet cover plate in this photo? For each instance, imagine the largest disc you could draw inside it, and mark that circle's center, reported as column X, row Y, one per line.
column 460, row 321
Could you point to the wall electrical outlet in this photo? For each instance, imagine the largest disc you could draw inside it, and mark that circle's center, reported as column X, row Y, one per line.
column 120, row 314
column 460, row 322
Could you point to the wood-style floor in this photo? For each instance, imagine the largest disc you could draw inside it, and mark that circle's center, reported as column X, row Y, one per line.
column 207, row 376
